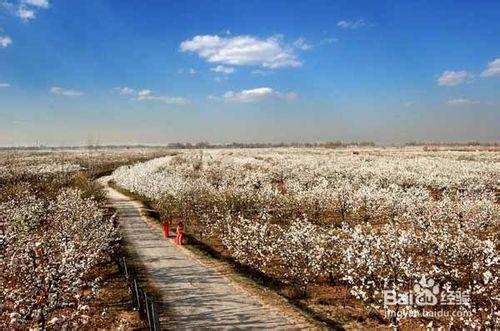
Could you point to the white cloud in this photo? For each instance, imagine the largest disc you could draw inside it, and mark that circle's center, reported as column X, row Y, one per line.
column 220, row 79
column 24, row 9
column 223, row 69
column 165, row 99
column 345, row 24
column 147, row 95
column 460, row 102
column 453, row 78
column 25, row 13
column 3, row 85
column 328, row 41
column 5, row 41
column 259, row 72
column 243, row 50
column 37, row 3
column 255, row 95
column 190, row 71
column 144, row 93
column 65, row 92
column 125, row 90
column 301, row 44
column 493, row 69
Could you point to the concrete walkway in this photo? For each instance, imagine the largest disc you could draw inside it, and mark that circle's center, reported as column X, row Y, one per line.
column 196, row 296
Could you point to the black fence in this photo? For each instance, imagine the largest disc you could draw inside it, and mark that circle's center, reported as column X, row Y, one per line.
column 143, row 302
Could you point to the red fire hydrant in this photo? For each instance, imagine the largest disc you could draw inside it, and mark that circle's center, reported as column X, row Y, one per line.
column 179, row 233
column 166, row 227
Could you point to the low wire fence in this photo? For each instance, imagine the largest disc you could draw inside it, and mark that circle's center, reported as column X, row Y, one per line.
column 143, row 302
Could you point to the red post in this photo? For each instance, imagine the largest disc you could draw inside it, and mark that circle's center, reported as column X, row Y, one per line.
column 179, row 233
column 166, row 228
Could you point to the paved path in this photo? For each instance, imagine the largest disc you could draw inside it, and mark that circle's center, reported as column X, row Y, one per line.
column 197, row 296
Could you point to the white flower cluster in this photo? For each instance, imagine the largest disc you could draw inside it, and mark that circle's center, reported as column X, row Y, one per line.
column 40, row 170
column 44, row 163
column 379, row 219
column 48, row 248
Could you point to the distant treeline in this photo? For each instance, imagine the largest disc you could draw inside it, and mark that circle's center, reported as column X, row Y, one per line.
column 328, row 144
column 202, row 145
column 452, row 144
column 207, row 145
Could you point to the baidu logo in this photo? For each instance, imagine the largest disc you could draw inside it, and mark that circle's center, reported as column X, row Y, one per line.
column 426, row 292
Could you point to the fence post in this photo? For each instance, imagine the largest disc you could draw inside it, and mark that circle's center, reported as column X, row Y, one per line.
column 137, row 294
column 125, row 267
column 148, row 310
column 156, row 318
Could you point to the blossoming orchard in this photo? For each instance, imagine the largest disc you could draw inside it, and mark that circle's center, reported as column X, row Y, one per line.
column 385, row 237
column 373, row 221
column 55, row 235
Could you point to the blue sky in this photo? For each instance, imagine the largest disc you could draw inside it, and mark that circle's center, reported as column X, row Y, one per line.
column 223, row 71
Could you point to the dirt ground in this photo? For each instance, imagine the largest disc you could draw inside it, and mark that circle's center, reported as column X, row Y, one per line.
column 112, row 308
